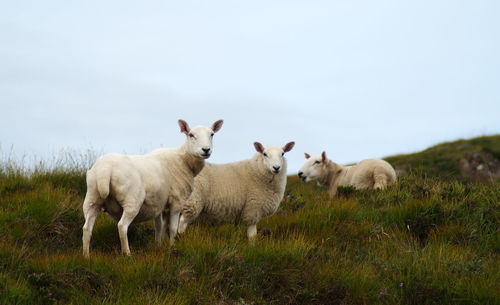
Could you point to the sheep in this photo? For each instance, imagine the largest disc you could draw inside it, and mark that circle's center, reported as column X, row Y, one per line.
column 247, row 190
column 367, row 174
column 136, row 188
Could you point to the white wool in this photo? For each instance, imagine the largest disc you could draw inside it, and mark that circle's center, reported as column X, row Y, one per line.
column 367, row 174
column 247, row 190
column 136, row 188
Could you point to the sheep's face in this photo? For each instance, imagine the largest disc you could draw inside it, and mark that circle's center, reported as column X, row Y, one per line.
column 199, row 138
column 313, row 168
column 273, row 156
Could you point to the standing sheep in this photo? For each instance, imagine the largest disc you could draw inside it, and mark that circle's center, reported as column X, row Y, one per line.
column 367, row 174
column 141, row 187
column 248, row 190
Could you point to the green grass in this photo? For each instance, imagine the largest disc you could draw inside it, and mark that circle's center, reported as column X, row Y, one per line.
column 426, row 240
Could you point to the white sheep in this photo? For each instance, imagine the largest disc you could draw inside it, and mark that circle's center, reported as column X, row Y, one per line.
column 248, row 190
column 367, row 174
column 142, row 187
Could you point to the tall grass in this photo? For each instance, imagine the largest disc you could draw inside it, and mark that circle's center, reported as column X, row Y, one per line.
column 424, row 240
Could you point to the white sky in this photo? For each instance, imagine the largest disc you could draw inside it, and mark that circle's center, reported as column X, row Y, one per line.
column 358, row 78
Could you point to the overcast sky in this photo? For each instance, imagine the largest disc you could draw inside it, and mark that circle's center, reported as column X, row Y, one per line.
column 358, row 79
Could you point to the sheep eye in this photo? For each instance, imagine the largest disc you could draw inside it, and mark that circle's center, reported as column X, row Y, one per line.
column 317, row 162
column 265, row 155
column 282, row 154
column 191, row 135
column 212, row 134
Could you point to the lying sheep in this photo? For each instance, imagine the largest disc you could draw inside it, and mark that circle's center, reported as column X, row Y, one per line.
column 367, row 174
column 248, row 190
column 141, row 187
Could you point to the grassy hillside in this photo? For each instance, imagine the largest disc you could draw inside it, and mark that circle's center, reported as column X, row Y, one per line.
column 429, row 239
column 476, row 159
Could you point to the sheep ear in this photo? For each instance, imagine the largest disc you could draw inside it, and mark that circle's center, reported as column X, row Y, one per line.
column 307, row 155
column 217, row 125
column 184, row 126
column 323, row 156
column 258, row 147
column 288, row 146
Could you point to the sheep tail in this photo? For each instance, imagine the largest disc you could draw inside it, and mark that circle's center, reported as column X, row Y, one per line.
column 103, row 174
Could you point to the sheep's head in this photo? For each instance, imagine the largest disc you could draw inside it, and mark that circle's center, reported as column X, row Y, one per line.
column 273, row 156
column 314, row 168
column 199, row 138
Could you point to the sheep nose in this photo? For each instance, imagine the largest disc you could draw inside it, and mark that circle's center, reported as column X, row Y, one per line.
column 300, row 174
column 276, row 168
column 206, row 150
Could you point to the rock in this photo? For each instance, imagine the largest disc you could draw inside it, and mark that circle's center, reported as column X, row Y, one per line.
column 464, row 167
column 481, row 166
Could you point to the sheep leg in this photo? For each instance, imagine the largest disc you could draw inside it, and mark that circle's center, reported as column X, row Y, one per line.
column 160, row 224
column 90, row 211
column 183, row 223
column 252, row 232
column 190, row 212
column 332, row 191
column 173, row 225
column 125, row 221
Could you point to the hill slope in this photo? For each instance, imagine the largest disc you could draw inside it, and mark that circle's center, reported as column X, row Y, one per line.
column 429, row 239
column 477, row 159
